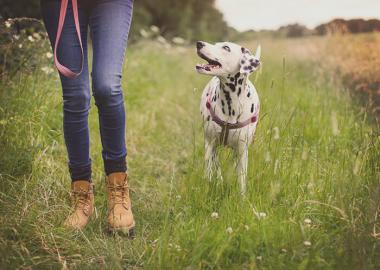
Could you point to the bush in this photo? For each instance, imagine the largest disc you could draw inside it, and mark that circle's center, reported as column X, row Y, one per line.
column 23, row 43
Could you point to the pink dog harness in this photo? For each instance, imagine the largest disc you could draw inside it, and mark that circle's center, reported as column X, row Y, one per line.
column 61, row 68
column 226, row 127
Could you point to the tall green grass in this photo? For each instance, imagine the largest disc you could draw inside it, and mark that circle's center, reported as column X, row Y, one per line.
column 313, row 186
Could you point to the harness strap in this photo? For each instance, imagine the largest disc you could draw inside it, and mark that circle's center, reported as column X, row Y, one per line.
column 61, row 68
column 226, row 127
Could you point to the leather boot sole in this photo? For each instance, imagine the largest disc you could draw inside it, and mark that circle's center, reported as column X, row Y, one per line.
column 127, row 231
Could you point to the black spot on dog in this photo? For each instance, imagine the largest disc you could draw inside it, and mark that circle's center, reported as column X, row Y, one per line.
column 239, row 92
column 222, row 102
column 208, row 118
column 231, row 86
column 232, row 79
column 240, row 81
column 228, row 99
column 249, row 94
column 223, row 111
column 243, row 50
column 252, row 107
column 233, row 112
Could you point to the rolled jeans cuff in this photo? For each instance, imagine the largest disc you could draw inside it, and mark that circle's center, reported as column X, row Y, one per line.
column 80, row 173
column 118, row 165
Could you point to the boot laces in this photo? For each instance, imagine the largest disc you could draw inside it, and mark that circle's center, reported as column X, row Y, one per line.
column 81, row 199
column 119, row 194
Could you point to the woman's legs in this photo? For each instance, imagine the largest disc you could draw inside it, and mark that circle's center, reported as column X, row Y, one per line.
column 76, row 91
column 109, row 23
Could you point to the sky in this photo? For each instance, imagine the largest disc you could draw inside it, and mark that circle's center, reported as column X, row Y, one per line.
column 271, row 14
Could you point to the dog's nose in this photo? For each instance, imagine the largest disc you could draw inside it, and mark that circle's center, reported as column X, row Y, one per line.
column 200, row 45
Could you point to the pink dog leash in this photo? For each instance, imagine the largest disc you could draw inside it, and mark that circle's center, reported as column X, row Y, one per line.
column 61, row 68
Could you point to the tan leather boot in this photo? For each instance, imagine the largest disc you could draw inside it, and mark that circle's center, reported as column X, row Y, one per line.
column 120, row 217
column 82, row 195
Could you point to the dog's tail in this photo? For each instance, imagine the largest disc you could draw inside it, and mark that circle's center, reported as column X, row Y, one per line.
column 258, row 52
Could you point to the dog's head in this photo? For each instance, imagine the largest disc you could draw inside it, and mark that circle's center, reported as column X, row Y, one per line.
column 226, row 58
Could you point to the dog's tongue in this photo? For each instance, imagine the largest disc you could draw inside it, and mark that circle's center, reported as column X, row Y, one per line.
column 206, row 67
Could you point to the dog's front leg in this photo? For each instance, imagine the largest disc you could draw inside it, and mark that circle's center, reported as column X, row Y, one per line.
column 210, row 158
column 242, row 165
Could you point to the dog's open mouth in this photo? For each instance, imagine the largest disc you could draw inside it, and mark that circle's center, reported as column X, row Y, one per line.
column 211, row 64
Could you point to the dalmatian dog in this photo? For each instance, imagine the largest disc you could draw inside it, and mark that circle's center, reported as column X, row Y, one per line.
column 229, row 104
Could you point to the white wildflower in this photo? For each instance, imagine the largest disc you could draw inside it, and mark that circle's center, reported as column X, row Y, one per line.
column 215, row 215
column 246, row 227
column 16, row 37
column 259, row 215
column 47, row 70
column 20, row 45
column 284, row 250
column 262, row 215
column 154, row 29
column 307, row 221
column 259, row 258
column 144, row 33
column 8, row 23
column 37, row 36
column 161, row 39
column 307, row 243
column 178, row 40
column 229, row 230
column 334, row 124
column 49, row 55
column 30, row 38
column 154, row 242
column 276, row 135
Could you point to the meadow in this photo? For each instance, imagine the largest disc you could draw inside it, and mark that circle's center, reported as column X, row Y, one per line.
column 313, row 198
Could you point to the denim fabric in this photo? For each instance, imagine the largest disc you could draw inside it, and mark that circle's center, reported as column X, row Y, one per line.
column 108, row 22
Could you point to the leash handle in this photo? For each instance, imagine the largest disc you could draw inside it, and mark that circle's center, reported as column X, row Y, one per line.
column 62, row 14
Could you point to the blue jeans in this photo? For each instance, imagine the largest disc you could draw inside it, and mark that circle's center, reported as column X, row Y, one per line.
column 109, row 22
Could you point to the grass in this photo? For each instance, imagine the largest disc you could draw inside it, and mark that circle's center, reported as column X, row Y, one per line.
column 313, row 190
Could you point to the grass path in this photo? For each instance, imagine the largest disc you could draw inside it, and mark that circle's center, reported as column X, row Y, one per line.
column 313, row 189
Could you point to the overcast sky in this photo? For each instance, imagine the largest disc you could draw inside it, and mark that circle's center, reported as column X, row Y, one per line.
column 270, row 14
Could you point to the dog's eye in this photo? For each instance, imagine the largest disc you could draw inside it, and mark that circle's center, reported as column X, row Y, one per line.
column 226, row 48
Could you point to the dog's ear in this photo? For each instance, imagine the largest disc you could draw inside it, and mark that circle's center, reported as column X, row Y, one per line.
column 249, row 62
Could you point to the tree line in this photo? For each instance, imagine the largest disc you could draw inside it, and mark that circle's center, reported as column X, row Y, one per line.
column 336, row 26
